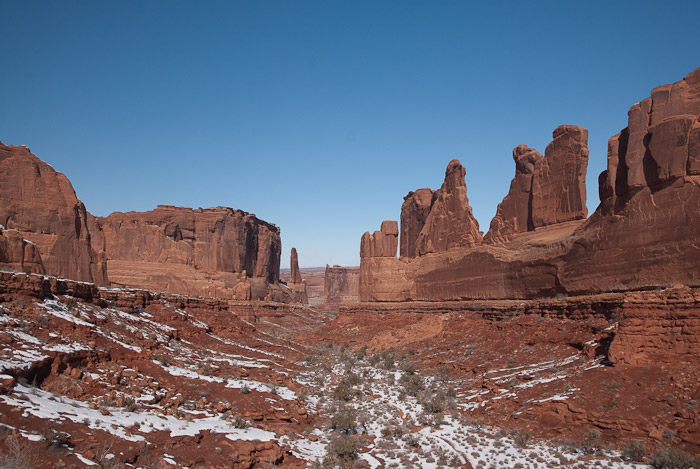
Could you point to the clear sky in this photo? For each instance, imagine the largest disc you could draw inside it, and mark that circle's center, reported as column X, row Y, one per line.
column 319, row 116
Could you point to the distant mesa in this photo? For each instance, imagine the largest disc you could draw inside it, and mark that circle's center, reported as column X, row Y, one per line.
column 642, row 235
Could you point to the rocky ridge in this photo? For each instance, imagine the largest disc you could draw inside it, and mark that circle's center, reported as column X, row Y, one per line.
column 641, row 236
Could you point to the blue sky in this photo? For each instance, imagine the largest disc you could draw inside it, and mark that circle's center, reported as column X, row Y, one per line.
column 321, row 116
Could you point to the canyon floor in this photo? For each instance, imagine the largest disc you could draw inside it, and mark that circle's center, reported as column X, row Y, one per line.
column 127, row 378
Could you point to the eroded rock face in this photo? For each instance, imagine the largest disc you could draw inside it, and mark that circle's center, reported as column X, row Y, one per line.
column 414, row 212
column 196, row 252
column 19, row 254
column 644, row 232
column 514, row 214
column 559, row 183
column 296, row 284
column 450, row 223
column 341, row 285
column 642, row 236
column 41, row 205
column 382, row 243
column 545, row 190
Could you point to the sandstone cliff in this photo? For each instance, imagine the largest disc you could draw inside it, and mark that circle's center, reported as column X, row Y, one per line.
column 211, row 252
column 341, row 285
column 643, row 235
column 19, row 254
column 545, row 190
column 198, row 252
column 41, row 205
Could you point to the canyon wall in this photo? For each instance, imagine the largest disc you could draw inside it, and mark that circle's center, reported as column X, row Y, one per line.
column 40, row 204
column 540, row 244
column 341, row 285
column 218, row 252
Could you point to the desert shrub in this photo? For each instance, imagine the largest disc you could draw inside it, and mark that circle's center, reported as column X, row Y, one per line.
column 53, row 438
column 361, row 353
column 434, row 404
column 412, row 384
column 239, row 422
column 19, row 454
column 244, row 389
column 345, row 420
column 129, row 404
column 408, row 367
column 341, row 452
column 634, row 451
column 673, row 458
column 591, row 441
column 344, row 391
column 521, row 438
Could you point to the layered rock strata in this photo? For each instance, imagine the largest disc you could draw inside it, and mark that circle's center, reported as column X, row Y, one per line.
column 40, row 204
column 643, row 235
column 209, row 252
column 17, row 253
column 205, row 252
column 341, row 285
column 545, row 190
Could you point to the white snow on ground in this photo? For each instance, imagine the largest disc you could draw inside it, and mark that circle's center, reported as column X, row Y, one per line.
column 46, row 405
column 282, row 391
column 424, row 440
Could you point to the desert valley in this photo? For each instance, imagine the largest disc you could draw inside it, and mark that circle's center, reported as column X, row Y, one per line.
column 559, row 338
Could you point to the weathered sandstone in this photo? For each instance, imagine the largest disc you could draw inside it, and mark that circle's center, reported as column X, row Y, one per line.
column 41, row 205
column 341, row 285
column 450, row 223
column 195, row 252
column 643, row 234
column 19, row 254
column 296, row 285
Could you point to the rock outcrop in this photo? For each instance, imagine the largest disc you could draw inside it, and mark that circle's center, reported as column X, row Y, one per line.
column 450, row 223
column 559, row 183
column 194, row 252
column 514, row 214
column 643, row 234
column 414, row 212
column 341, row 285
column 41, row 205
column 545, row 190
column 381, row 243
column 19, row 254
column 210, row 252
column 296, row 284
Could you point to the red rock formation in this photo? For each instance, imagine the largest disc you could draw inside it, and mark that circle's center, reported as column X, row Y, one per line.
column 294, row 265
column 450, row 223
column 196, row 252
column 643, row 235
column 545, row 190
column 514, row 214
column 559, row 183
column 414, row 212
column 341, row 285
column 18, row 253
column 296, row 284
column 41, row 205
column 644, row 232
column 381, row 243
